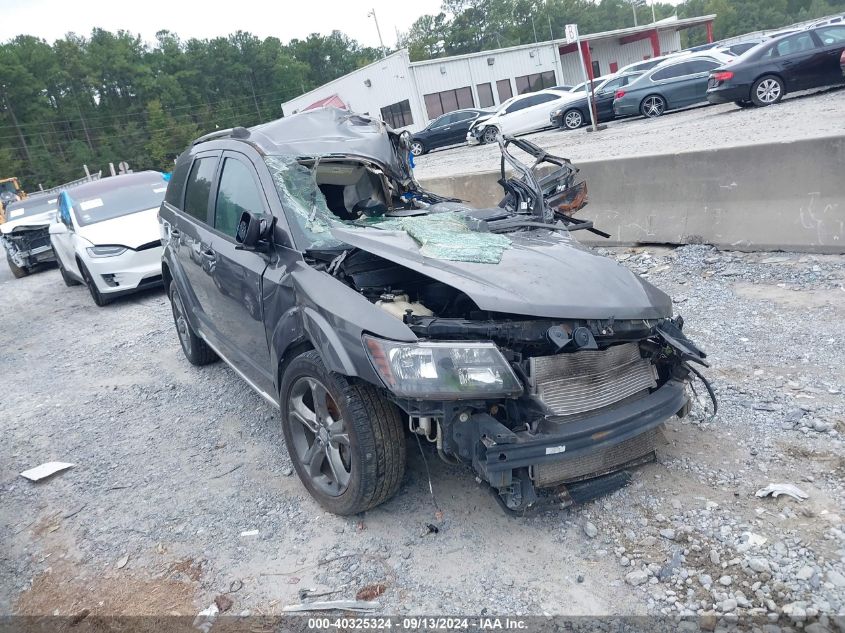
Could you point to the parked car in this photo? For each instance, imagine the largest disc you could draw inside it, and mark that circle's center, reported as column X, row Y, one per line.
column 842, row 63
column 574, row 114
column 741, row 48
column 447, row 129
column 366, row 308
column 519, row 115
column 106, row 235
column 763, row 75
column 675, row 83
column 24, row 234
column 648, row 64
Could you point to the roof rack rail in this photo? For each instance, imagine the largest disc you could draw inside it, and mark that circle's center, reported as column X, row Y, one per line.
column 232, row 132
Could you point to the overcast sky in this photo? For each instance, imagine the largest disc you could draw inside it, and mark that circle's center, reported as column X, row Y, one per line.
column 285, row 19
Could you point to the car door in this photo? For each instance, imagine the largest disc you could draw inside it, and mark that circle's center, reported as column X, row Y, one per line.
column 63, row 240
column 832, row 39
column 438, row 132
column 605, row 96
column 694, row 85
column 800, row 60
column 190, row 236
column 540, row 110
column 513, row 119
column 460, row 126
column 236, row 309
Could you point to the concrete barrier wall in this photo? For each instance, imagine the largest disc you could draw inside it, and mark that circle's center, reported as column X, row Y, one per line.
column 774, row 196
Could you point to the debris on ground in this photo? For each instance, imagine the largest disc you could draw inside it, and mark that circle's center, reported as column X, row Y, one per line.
column 332, row 605
column 370, row 592
column 121, row 563
column 205, row 619
column 45, row 470
column 776, row 490
column 223, row 602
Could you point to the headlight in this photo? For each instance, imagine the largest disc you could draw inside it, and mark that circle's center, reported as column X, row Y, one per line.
column 555, row 112
column 443, row 371
column 105, row 251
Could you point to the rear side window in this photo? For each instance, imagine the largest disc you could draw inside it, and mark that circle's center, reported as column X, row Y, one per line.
column 176, row 186
column 237, row 193
column 795, row 44
column 199, row 187
column 832, row 35
column 702, row 65
column 678, row 70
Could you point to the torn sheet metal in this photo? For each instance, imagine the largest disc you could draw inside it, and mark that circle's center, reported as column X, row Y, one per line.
column 448, row 236
column 775, row 490
column 45, row 470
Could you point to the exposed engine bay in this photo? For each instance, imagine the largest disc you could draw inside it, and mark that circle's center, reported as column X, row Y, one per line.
column 588, row 358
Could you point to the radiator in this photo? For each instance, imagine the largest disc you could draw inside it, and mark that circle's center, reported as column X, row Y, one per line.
column 590, row 379
column 627, row 454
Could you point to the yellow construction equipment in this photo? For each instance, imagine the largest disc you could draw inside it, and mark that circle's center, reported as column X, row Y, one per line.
column 10, row 191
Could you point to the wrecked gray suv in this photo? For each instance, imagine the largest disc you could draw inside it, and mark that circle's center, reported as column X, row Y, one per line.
column 304, row 254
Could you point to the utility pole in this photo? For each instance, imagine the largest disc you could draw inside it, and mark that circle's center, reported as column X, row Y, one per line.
column 372, row 14
column 634, row 9
column 17, row 127
column 252, row 87
column 84, row 126
column 653, row 17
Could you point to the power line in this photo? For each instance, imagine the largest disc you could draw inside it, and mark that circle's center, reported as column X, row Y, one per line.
column 116, row 116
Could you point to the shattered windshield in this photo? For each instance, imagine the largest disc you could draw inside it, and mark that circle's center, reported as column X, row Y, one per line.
column 445, row 235
column 305, row 203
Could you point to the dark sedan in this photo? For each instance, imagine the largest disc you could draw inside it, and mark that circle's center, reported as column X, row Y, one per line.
column 573, row 115
column 763, row 75
column 447, row 129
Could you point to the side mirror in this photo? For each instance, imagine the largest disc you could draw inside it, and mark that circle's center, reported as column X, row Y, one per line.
column 253, row 229
column 57, row 228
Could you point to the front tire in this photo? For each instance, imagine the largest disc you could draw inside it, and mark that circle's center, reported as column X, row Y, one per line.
column 17, row 271
column 653, row 106
column 490, row 134
column 766, row 91
column 572, row 119
column 196, row 350
column 69, row 281
column 346, row 441
column 99, row 298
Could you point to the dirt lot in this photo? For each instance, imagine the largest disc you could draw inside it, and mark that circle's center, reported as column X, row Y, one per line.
column 804, row 115
column 182, row 488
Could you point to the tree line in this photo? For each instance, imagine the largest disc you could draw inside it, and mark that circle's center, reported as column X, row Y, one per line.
column 112, row 97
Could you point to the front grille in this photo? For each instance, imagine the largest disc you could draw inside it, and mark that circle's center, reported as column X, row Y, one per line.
column 629, row 453
column 30, row 239
column 590, row 379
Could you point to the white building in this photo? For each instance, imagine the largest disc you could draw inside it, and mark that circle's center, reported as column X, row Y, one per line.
column 407, row 95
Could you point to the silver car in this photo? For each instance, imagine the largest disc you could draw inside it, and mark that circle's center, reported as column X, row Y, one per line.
column 675, row 83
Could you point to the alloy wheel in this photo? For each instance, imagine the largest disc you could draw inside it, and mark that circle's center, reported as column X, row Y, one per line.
column 416, row 148
column 491, row 134
column 573, row 119
column 653, row 106
column 320, row 436
column 768, row 90
column 181, row 322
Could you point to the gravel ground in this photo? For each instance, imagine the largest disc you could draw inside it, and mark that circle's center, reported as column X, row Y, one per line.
column 800, row 116
column 182, row 487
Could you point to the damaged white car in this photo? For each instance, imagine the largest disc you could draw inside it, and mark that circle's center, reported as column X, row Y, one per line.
column 25, row 233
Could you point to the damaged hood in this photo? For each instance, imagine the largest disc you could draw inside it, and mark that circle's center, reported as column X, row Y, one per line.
column 35, row 221
column 131, row 230
column 542, row 273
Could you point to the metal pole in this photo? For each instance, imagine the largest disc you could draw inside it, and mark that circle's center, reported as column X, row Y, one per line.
column 372, row 14
column 634, row 9
column 588, row 85
column 653, row 17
